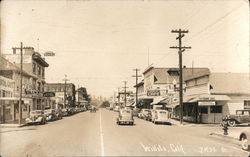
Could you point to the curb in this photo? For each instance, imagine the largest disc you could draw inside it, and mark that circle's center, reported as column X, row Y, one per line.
column 223, row 136
column 12, row 125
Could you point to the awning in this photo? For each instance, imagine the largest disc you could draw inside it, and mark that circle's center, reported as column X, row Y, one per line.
column 26, row 100
column 173, row 105
column 131, row 104
column 157, row 100
column 206, row 97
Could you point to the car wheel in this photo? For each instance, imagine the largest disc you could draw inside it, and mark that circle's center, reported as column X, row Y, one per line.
column 244, row 143
column 231, row 123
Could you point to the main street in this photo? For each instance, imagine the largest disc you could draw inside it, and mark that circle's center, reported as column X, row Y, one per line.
column 97, row 134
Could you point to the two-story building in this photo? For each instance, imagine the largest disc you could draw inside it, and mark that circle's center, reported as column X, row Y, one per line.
column 59, row 89
column 210, row 96
column 35, row 65
column 10, row 91
column 161, row 85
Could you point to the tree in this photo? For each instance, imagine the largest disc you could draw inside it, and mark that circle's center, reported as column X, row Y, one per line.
column 105, row 104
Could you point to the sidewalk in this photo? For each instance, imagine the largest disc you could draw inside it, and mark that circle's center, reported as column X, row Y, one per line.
column 176, row 122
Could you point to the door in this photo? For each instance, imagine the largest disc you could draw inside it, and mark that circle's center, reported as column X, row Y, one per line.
column 215, row 114
column 204, row 114
column 245, row 117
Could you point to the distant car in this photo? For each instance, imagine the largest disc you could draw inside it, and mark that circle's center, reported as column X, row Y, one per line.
column 36, row 117
column 125, row 117
column 135, row 111
column 59, row 113
column 241, row 117
column 116, row 108
column 245, row 139
column 50, row 114
column 66, row 111
column 144, row 113
column 160, row 116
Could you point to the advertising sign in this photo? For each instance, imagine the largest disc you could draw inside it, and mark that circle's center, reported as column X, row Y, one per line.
column 206, row 103
column 153, row 93
column 49, row 94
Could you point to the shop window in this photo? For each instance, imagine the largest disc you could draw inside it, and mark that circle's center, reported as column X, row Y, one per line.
column 216, row 109
column 34, row 67
column 246, row 112
column 39, row 70
column 247, row 104
column 204, row 110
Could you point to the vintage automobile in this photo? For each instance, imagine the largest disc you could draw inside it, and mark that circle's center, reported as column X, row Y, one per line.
column 144, row 113
column 50, row 114
column 241, row 117
column 116, row 108
column 36, row 117
column 125, row 117
column 135, row 111
column 245, row 140
column 65, row 112
column 59, row 113
column 160, row 116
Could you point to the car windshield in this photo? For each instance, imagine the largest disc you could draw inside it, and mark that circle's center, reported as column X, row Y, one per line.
column 36, row 112
column 126, row 112
column 239, row 112
column 163, row 113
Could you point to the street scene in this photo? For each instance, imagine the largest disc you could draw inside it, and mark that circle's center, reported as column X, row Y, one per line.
column 124, row 78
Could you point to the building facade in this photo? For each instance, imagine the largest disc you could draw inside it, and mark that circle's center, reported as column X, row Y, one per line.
column 210, row 96
column 59, row 88
column 35, row 65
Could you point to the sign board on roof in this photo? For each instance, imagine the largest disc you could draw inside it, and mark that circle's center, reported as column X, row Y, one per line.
column 49, row 53
column 17, row 58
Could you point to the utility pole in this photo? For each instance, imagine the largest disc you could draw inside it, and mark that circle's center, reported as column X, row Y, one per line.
column 136, row 82
column 65, row 83
column 78, row 92
column 125, row 92
column 181, row 34
column 118, row 96
column 21, row 85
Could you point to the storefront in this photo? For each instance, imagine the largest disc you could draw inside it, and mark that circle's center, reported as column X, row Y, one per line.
column 205, row 108
column 9, row 109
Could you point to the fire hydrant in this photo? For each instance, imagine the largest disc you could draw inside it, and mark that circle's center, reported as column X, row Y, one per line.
column 225, row 128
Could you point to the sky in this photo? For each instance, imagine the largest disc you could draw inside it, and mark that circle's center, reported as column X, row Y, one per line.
column 99, row 43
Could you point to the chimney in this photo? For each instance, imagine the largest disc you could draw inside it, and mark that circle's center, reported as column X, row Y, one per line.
column 14, row 50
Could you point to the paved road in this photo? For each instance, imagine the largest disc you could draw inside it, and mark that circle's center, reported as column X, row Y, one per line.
column 97, row 134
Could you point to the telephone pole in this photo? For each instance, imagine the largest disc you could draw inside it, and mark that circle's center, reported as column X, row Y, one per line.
column 118, row 96
column 125, row 92
column 21, row 85
column 181, row 34
column 65, row 83
column 136, row 82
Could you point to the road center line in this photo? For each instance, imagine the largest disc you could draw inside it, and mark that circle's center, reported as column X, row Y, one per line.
column 101, row 136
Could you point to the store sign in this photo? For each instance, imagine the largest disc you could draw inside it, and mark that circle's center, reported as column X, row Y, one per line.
column 206, row 103
column 153, row 93
column 49, row 94
column 6, row 84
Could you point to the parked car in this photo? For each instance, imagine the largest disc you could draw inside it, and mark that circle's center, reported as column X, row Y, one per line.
column 241, row 117
column 245, row 139
column 143, row 113
column 135, row 111
column 59, row 113
column 65, row 112
column 160, row 116
column 36, row 117
column 116, row 108
column 125, row 117
column 50, row 114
